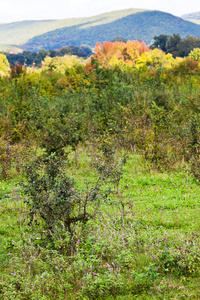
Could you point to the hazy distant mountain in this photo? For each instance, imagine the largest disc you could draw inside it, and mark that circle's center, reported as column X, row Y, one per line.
column 130, row 24
column 192, row 16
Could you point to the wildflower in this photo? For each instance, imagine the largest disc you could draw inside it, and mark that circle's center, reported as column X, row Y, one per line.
column 153, row 257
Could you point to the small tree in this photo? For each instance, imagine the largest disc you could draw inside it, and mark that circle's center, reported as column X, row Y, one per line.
column 54, row 197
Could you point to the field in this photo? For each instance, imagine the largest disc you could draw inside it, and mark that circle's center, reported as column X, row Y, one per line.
column 148, row 251
column 99, row 176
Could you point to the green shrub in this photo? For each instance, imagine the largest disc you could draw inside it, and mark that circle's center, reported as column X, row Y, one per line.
column 54, row 198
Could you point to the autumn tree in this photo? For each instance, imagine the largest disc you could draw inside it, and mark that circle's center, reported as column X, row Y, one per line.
column 155, row 59
column 109, row 53
column 4, row 65
column 60, row 64
column 195, row 54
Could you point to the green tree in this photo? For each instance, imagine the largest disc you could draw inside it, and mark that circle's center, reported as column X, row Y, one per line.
column 187, row 45
column 172, row 45
column 119, row 39
column 85, row 50
column 160, row 42
column 54, row 198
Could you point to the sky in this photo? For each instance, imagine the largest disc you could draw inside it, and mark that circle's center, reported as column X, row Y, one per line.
column 18, row 10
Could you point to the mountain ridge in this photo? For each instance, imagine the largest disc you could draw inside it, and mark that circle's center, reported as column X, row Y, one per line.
column 192, row 16
column 142, row 26
column 131, row 24
column 18, row 33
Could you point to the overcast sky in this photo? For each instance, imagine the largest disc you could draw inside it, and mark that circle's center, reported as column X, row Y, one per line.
column 18, row 10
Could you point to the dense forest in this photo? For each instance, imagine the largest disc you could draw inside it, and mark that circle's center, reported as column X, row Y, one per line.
column 100, row 171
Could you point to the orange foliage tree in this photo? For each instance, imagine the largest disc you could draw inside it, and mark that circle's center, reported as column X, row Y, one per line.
column 122, row 52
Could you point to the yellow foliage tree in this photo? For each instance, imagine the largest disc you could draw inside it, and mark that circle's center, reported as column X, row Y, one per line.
column 4, row 65
column 155, row 59
column 60, row 64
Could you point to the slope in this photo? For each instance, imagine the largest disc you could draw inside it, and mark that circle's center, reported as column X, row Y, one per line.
column 18, row 33
column 191, row 16
column 142, row 25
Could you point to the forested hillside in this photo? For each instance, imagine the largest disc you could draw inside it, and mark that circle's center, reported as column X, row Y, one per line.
column 130, row 24
column 142, row 26
column 18, row 33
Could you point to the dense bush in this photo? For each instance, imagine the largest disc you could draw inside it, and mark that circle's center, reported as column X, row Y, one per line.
column 143, row 98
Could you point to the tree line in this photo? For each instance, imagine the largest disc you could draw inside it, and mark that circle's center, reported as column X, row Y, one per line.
column 29, row 57
column 175, row 45
column 172, row 44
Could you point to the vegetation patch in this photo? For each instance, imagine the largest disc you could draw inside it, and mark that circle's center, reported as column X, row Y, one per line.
column 99, row 176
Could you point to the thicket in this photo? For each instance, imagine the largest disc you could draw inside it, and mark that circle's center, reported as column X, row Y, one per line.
column 79, row 237
column 144, row 99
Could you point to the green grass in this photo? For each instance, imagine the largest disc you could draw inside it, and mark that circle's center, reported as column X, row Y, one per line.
column 155, row 255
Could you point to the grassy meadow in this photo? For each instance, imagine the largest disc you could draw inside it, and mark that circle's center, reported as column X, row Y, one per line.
column 146, row 249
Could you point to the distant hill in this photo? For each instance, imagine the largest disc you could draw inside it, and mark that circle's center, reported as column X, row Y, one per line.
column 192, row 16
column 18, row 33
column 140, row 25
column 130, row 24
